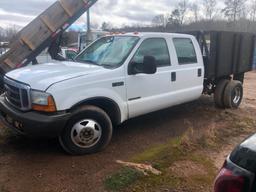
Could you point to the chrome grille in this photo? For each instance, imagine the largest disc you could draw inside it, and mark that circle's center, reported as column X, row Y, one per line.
column 17, row 94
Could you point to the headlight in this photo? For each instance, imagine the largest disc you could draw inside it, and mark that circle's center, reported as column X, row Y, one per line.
column 42, row 101
column 39, row 98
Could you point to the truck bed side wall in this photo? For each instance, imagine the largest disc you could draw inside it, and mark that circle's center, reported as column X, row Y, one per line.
column 230, row 53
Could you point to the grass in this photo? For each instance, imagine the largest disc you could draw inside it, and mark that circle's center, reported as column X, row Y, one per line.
column 184, row 148
column 122, row 179
column 161, row 157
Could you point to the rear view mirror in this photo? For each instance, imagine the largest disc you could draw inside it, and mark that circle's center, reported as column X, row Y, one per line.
column 147, row 67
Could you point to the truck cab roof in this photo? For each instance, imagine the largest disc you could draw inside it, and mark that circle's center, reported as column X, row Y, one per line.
column 154, row 34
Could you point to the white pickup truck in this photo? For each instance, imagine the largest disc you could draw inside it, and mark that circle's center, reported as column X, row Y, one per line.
column 114, row 79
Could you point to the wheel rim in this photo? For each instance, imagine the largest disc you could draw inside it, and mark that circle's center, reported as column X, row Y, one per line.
column 237, row 95
column 86, row 133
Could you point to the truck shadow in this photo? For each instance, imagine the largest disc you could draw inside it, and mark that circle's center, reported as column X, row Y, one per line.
column 141, row 132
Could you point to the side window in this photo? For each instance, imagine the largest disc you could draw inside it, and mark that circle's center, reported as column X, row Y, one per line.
column 156, row 47
column 185, row 51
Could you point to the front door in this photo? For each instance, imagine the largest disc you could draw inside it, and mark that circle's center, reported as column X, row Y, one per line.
column 147, row 93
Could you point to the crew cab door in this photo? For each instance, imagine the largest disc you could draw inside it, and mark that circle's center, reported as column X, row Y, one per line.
column 179, row 77
column 187, row 70
column 149, row 92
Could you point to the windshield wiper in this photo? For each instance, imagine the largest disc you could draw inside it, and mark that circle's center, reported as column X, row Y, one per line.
column 108, row 66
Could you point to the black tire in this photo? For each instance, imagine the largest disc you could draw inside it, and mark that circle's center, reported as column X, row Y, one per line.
column 92, row 113
column 219, row 93
column 233, row 94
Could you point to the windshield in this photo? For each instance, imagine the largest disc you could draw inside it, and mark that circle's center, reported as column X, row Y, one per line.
column 108, row 51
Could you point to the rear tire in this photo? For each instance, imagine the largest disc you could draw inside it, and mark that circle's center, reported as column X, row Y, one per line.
column 88, row 131
column 233, row 94
column 219, row 93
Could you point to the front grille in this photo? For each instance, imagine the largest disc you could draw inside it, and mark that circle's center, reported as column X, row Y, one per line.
column 17, row 94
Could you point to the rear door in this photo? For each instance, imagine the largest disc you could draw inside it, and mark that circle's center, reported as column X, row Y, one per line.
column 187, row 72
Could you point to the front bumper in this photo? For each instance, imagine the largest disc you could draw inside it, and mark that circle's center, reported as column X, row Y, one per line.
column 32, row 123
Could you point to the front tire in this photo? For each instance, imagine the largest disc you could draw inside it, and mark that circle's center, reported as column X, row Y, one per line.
column 88, row 131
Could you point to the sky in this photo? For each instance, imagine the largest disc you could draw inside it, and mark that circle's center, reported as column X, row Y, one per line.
column 118, row 12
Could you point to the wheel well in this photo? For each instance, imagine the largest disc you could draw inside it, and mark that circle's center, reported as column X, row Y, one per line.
column 108, row 105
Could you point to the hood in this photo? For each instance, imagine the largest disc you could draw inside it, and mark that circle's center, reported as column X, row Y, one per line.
column 42, row 76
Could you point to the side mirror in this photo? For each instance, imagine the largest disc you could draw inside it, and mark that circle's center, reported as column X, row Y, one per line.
column 147, row 67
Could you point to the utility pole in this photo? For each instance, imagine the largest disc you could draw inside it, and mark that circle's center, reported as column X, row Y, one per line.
column 89, row 32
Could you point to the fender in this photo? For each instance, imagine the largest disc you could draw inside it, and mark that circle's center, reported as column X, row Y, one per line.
column 108, row 105
column 75, row 97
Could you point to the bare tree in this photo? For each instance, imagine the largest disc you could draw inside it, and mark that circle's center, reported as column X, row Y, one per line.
column 195, row 10
column 106, row 26
column 209, row 8
column 174, row 18
column 159, row 20
column 234, row 9
column 11, row 32
column 253, row 10
column 2, row 36
column 178, row 15
column 182, row 7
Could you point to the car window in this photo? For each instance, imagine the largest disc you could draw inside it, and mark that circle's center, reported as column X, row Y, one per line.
column 155, row 47
column 185, row 51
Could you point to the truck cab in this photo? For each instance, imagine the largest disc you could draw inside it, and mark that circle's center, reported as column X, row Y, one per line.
column 116, row 78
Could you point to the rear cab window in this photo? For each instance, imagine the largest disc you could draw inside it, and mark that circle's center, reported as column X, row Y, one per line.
column 185, row 51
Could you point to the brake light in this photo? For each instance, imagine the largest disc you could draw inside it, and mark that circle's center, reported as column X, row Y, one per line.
column 226, row 181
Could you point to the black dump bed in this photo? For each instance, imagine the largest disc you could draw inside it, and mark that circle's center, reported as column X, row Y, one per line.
column 226, row 53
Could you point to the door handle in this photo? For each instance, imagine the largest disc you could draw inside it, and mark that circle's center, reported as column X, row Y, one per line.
column 173, row 76
column 199, row 72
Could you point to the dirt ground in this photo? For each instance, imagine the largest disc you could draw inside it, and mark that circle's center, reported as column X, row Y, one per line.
column 41, row 165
